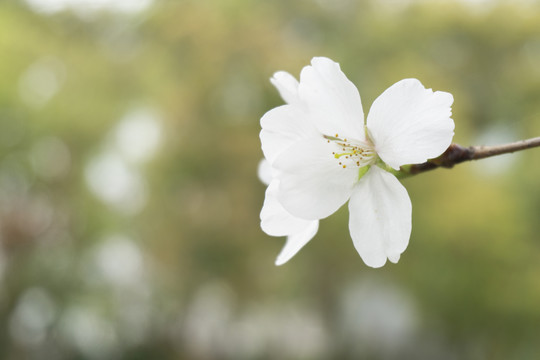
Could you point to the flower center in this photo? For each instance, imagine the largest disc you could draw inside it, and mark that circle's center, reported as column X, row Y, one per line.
column 351, row 152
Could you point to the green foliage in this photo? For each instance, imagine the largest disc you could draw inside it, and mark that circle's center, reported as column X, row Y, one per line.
column 165, row 259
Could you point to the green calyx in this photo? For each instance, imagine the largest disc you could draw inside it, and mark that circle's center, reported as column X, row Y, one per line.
column 362, row 171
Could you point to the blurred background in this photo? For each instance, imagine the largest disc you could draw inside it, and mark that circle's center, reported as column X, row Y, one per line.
column 129, row 201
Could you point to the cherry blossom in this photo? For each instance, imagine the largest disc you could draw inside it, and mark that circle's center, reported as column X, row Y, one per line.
column 320, row 154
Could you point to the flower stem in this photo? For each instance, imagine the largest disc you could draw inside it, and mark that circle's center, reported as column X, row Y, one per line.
column 456, row 154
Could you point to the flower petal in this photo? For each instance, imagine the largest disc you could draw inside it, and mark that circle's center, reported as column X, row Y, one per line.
column 264, row 172
column 287, row 86
column 332, row 100
column 296, row 242
column 380, row 217
column 312, row 183
column 281, row 127
column 275, row 220
column 410, row 124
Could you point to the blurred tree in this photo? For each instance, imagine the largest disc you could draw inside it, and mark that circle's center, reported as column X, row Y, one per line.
column 108, row 254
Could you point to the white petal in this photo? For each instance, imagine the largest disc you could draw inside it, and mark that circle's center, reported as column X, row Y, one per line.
column 332, row 100
column 287, row 86
column 312, row 183
column 281, row 127
column 296, row 242
column 275, row 220
column 380, row 217
column 410, row 124
column 264, row 171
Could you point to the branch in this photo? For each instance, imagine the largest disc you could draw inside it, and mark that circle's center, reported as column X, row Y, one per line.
column 456, row 154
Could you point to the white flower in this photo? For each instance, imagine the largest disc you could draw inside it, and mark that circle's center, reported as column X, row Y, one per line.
column 321, row 154
column 276, row 221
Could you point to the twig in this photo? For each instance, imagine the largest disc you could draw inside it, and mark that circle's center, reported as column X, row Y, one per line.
column 456, row 154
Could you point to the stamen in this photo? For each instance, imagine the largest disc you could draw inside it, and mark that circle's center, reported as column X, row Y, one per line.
column 359, row 153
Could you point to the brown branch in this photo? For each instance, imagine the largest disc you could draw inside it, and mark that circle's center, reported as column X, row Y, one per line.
column 456, row 154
